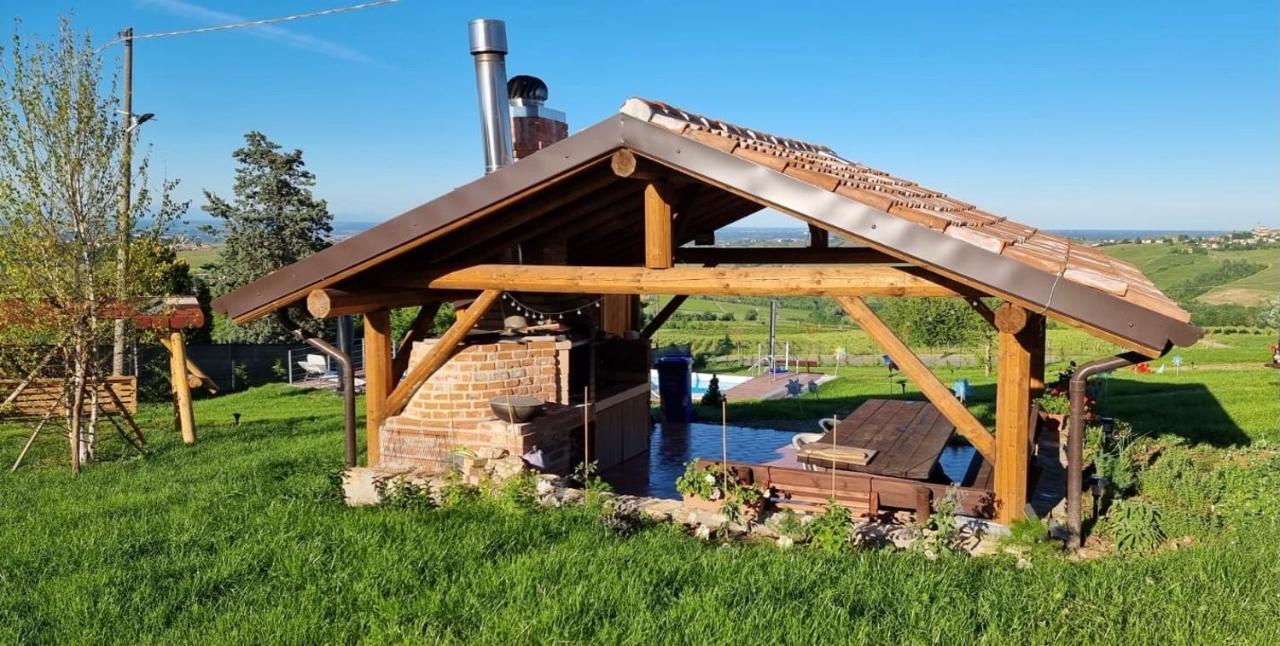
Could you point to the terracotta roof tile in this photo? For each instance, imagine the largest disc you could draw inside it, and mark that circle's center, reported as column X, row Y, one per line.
column 822, row 167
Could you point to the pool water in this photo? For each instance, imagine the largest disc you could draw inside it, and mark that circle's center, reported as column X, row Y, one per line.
column 671, row 446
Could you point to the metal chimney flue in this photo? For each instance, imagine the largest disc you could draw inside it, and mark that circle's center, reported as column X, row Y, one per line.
column 489, row 48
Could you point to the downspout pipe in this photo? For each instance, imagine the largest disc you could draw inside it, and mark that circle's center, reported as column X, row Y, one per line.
column 348, row 377
column 1075, row 436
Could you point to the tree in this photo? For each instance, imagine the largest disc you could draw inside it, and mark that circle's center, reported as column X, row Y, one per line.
column 273, row 221
column 938, row 323
column 60, row 182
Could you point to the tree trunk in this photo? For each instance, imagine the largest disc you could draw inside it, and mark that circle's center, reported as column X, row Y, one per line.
column 117, row 347
column 76, row 406
column 88, row 448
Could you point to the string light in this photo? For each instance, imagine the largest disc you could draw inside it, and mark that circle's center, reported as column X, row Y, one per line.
column 548, row 316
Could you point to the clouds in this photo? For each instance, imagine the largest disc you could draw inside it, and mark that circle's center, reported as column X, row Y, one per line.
column 286, row 37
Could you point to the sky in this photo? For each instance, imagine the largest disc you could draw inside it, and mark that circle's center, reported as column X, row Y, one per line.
column 1107, row 115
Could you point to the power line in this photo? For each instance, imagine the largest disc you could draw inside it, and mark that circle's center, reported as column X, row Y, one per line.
column 254, row 23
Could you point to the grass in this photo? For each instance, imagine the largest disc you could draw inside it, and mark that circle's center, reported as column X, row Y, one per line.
column 239, row 538
column 1168, row 268
column 198, row 258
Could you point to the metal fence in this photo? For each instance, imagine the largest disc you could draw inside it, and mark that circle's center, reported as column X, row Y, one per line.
column 306, row 365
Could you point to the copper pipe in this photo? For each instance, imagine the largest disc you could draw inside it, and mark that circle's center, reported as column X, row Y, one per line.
column 348, row 377
column 1075, row 435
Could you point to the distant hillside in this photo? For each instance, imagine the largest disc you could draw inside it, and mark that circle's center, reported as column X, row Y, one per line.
column 1212, row 277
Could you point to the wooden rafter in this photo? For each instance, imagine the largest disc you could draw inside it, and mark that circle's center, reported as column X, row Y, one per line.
column 331, row 302
column 663, row 314
column 981, row 308
column 419, row 329
column 819, row 238
column 693, row 281
column 911, row 365
column 440, row 352
column 783, row 255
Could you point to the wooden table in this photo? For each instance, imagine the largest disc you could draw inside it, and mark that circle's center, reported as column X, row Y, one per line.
column 908, row 437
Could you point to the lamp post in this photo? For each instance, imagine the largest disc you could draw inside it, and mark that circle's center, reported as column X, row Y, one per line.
column 124, row 223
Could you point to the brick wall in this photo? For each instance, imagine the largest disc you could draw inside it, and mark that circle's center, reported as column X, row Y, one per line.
column 451, row 410
column 531, row 134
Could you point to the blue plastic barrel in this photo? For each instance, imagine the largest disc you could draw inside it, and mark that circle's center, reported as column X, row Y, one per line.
column 675, row 388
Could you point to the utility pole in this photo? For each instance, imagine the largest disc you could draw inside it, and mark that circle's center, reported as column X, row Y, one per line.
column 124, row 223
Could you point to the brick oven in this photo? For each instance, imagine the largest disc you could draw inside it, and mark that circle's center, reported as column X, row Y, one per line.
column 450, row 414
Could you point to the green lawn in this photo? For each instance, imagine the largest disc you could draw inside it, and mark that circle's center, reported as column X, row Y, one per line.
column 239, row 538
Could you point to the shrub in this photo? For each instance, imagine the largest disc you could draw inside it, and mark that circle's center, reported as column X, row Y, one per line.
column 713, row 397
column 455, row 491
column 1030, row 536
column 792, row 525
column 941, row 534
column 830, row 531
column 403, row 494
column 519, row 492
column 1135, row 526
column 1184, row 485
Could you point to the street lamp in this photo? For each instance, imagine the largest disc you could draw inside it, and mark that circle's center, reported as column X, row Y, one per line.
column 136, row 120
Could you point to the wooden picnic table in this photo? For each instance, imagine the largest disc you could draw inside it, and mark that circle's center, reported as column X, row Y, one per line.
column 907, row 436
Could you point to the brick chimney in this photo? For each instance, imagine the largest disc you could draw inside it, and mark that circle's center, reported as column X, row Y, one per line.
column 533, row 125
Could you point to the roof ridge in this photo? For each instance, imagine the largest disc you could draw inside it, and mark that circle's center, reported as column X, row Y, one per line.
column 668, row 115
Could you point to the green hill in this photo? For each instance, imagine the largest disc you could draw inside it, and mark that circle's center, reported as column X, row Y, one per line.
column 1177, row 268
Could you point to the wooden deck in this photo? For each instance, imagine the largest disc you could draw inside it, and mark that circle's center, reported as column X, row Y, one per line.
column 771, row 385
column 907, row 436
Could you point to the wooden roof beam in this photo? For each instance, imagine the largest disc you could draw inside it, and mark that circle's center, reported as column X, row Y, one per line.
column 331, row 302
column 693, row 281
column 784, row 255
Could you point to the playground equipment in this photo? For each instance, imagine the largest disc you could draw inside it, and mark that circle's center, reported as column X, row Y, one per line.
column 42, row 398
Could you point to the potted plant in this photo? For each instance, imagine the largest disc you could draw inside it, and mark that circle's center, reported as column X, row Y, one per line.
column 1055, row 405
column 709, row 489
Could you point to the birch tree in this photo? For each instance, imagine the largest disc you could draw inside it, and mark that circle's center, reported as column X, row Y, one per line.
column 60, row 174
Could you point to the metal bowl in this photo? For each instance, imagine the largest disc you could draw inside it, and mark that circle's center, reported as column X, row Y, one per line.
column 515, row 409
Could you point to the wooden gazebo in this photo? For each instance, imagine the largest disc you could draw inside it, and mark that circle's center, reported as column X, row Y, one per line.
column 609, row 211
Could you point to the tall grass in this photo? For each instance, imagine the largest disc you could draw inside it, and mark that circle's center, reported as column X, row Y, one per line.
column 239, row 539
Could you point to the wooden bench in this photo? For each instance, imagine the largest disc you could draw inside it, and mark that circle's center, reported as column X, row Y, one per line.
column 41, row 397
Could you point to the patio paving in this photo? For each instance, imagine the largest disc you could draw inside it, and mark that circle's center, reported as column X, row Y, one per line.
column 672, row 445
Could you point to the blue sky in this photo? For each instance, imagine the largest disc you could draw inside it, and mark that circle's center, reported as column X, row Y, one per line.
column 1061, row 115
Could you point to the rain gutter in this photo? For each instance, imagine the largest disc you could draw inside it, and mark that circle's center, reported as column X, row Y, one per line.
column 348, row 378
column 1075, row 435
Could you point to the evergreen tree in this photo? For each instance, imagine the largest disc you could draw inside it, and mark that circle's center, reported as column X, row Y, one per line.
column 273, row 221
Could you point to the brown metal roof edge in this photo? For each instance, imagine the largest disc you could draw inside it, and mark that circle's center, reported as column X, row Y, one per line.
column 416, row 226
column 1144, row 329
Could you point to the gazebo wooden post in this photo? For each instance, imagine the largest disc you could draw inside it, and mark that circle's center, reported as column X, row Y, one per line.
column 1036, row 334
column 377, row 379
column 1013, row 405
column 658, row 248
column 181, row 387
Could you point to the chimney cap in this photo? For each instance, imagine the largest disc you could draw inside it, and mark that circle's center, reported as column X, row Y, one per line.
column 487, row 36
column 525, row 89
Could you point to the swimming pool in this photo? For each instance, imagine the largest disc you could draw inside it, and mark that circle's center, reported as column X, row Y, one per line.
column 700, row 381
